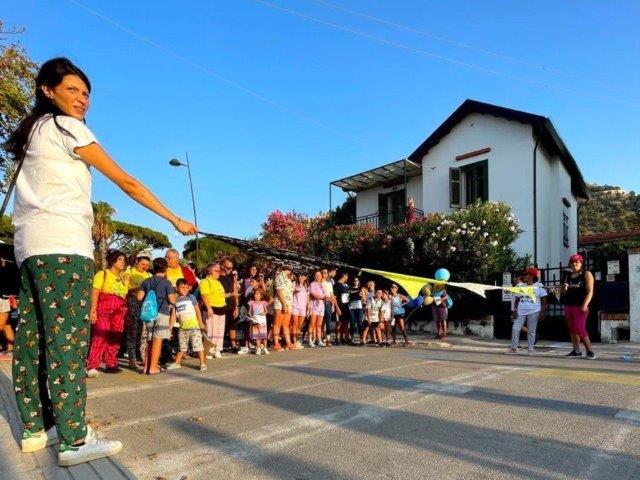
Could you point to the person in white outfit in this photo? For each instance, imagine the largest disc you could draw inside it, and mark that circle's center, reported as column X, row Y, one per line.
column 528, row 309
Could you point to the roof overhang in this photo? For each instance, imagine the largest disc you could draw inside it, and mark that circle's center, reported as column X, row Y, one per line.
column 387, row 175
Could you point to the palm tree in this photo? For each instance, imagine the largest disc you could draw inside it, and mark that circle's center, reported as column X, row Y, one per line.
column 102, row 229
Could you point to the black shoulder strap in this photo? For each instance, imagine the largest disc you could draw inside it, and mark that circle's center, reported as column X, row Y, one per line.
column 12, row 184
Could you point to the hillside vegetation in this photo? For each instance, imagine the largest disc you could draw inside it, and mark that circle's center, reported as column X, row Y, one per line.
column 609, row 209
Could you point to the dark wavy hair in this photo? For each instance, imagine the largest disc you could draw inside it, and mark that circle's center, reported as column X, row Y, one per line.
column 51, row 74
column 113, row 256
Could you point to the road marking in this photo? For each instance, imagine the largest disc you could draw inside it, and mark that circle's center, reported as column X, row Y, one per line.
column 612, row 444
column 186, row 413
column 260, row 442
column 147, row 382
column 588, row 376
column 629, row 416
column 152, row 382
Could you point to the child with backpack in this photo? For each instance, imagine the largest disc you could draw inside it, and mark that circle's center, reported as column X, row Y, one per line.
column 188, row 315
column 156, row 293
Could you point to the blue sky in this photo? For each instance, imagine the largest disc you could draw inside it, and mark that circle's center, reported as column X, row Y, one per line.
column 274, row 99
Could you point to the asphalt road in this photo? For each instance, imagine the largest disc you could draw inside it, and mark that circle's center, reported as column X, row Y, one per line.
column 368, row 413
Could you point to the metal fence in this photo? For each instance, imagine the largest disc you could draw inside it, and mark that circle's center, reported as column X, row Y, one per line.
column 382, row 220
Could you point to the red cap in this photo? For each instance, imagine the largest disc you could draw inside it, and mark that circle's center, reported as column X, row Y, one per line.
column 576, row 257
column 533, row 271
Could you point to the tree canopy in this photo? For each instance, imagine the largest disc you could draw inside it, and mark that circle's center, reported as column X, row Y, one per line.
column 17, row 87
column 211, row 250
column 113, row 234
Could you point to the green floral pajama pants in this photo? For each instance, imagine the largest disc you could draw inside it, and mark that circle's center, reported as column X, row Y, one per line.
column 52, row 340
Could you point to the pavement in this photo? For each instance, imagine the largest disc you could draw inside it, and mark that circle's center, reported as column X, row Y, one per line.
column 459, row 409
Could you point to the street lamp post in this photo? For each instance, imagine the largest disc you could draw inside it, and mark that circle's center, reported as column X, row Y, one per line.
column 177, row 163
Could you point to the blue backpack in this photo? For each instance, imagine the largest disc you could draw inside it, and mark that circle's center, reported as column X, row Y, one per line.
column 149, row 308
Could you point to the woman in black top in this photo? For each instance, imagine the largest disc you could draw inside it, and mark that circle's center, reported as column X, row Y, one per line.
column 577, row 292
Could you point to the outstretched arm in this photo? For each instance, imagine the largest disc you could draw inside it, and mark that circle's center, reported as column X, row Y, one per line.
column 97, row 157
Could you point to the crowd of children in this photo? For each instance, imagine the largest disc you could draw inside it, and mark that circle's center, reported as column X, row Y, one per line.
column 223, row 313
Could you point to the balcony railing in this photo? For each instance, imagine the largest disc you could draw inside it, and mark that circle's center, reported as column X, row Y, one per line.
column 382, row 220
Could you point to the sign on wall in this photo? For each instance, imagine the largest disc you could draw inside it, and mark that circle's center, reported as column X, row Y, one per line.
column 613, row 267
column 506, row 282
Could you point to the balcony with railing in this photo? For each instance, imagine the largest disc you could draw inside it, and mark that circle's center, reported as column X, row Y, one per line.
column 397, row 216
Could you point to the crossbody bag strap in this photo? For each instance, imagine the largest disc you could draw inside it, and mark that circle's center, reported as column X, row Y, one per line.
column 104, row 279
column 12, row 183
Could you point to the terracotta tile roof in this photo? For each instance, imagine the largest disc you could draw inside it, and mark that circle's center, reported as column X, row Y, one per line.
column 609, row 236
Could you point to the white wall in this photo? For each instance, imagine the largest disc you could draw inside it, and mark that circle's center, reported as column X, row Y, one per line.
column 563, row 253
column 510, row 167
column 634, row 295
column 367, row 201
column 549, row 207
column 554, row 184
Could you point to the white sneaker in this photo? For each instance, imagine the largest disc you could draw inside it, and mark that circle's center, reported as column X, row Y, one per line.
column 209, row 357
column 320, row 343
column 258, row 351
column 217, row 354
column 311, row 344
column 243, row 351
column 93, row 373
column 265, row 351
column 94, row 447
column 32, row 442
column 299, row 346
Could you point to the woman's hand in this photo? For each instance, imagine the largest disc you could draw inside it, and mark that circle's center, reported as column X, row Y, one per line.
column 185, row 228
column 93, row 316
column 584, row 308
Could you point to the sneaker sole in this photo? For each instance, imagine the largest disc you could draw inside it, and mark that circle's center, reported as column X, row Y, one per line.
column 90, row 458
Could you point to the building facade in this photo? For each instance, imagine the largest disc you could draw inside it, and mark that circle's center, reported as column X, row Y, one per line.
column 484, row 152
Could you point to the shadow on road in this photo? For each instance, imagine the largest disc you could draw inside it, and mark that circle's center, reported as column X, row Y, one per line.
column 477, row 393
column 506, row 452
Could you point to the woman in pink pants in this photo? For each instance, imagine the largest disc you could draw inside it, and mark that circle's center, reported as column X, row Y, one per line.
column 577, row 292
column 108, row 309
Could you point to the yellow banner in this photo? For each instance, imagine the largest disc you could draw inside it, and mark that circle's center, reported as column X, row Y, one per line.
column 412, row 285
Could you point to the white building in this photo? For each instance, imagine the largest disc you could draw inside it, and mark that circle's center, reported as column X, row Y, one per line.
column 485, row 152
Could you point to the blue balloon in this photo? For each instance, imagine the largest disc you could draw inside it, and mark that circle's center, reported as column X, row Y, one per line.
column 442, row 274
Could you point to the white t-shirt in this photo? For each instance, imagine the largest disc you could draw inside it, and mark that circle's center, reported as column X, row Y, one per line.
column 385, row 311
column 52, row 211
column 527, row 305
column 374, row 306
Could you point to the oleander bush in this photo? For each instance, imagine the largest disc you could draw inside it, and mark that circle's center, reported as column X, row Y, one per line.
column 474, row 243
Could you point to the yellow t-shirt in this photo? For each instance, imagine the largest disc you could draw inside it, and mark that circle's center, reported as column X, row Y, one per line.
column 174, row 274
column 213, row 291
column 108, row 282
column 136, row 277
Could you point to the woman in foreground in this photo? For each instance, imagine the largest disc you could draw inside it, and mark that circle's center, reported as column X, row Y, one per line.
column 53, row 217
